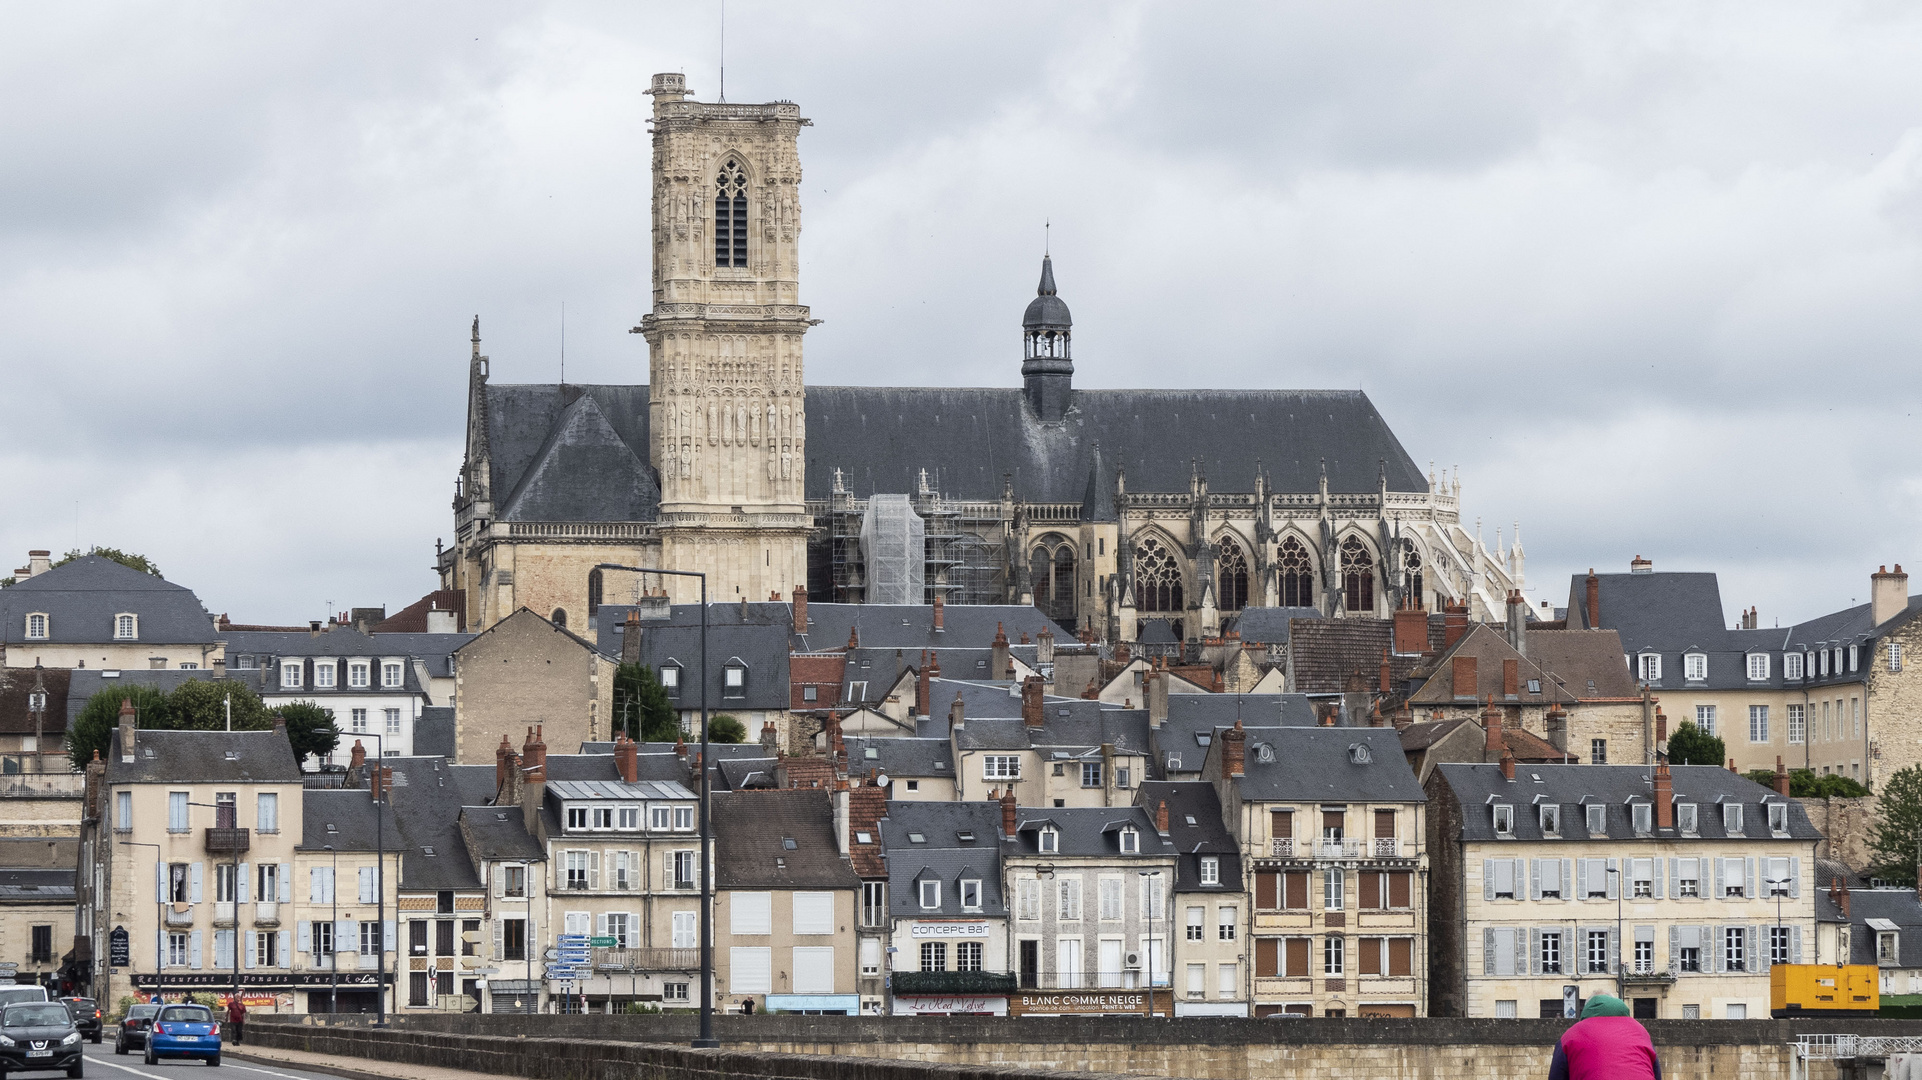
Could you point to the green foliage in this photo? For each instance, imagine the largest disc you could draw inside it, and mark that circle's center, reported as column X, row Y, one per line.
column 1805, row 784
column 125, row 558
column 643, row 1008
column 93, row 730
column 201, row 705
column 310, row 728
column 1895, row 844
column 1690, row 745
column 641, row 706
column 725, row 728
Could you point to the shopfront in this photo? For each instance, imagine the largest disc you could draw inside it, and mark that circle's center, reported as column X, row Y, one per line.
column 1091, row 1003
column 319, row 992
column 815, row 1004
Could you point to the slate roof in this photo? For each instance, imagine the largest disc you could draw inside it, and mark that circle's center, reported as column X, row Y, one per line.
column 1195, row 828
column 436, row 651
column 1318, row 765
column 84, row 683
column 916, row 758
column 760, row 642
column 942, row 854
column 1269, row 625
column 36, row 887
column 17, row 685
column 493, row 833
column 434, row 731
column 818, row 670
column 1616, row 786
column 750, row 834
column 910, row 627
column 83, row 597
column 426, row 808
column 1899, row 907
column 1070, row 725
column 570, row 453
column 1326, row 654
column 867, row 805
column 1194, row 720
column 352, row 814
column 204, row 757
column 1087, row 832
column 1586, row 663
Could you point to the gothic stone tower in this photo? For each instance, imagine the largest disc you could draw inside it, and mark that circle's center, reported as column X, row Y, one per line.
column 726, row 409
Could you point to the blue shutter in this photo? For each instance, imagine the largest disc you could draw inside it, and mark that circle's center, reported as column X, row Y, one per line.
column 306, row 937
column 240, row 883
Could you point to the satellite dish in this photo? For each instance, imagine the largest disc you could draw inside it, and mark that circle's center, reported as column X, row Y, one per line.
column 881, row 779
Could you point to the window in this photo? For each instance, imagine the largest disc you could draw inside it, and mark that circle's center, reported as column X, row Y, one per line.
column 1644, row 953
column 177, row 812
column 1651, row 667
column 671, row 679
column 730, row 219
column 657, row 817
column 1210, row 870
column 1854, row 651
column 514, row 881
column 1732, row 883
column 290, row 674
column 808, row 693
column 1357, row 575
column 1887, row 947
column 393, row 721
column 967, row 956
column 370, row 938
column 1548, row 956
column 1642, row 816
column 37, row 627
column 1595, row 952
column 1130, row 842
column 576, row 817
column 1798, row 728
column 1689, row 958
column 1503, row 872
column 1597, row 818
column 971, row 895
column 734, row 681
column 1297, row 575
column 324, row 672
column 1197, row 980
column 176, row 950
column 323, row 933
column 1758, row 723
column 1504, row 819
column 628, row 818
column 1792, row 665
column 1779, row 944
column 1688, row 877
column 125, row 627
column 934, row 956
column 603, row 817
column 1732, row 818
column 1332, row 884
column 224, row 875
column 358, row 717
column 1895, row 656
column 1705, row 718
column 1594, row 878
column 1049, row 841
column 1091, row 774
column 1334, row 960
column 1110, row 899
column 123, row 811
column 1734, row 952
column 1551, row 879
column 931, row 898
column 1685, row 817
column 1225, row 925
column 1695, row 667
column 1758, row 667
column 357, row 674
column 626, row 874
column 1197, row 924
column 686, row 926
column 1598, row 751
column 1641, row 877
column 1157, row 578
column 1231, row 577
column 1001, row 767
column 1068, row 900
column 683, row 818
column 683, row 869
column 513, row 938
column 1551, row 814
column 574, row 864
column 677, row 991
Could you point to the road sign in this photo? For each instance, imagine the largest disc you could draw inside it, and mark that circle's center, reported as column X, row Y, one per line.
column 550, row 956
column 602, row 942
column 573, row 939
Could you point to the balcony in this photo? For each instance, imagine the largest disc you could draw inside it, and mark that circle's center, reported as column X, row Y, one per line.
column 1336, row 850
column 1647, row 977
column 228, row 841
column 953, row 982
column 223, row 913
column 180, row 914
column 647, row 959
column 1282, row 849
column 267, row 913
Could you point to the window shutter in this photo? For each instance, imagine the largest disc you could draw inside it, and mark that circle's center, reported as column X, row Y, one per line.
column 1488, row 881
column 286, row 957
column 1399, row 886
column 193, row 883
column 1795, row 944
column 1528, row 959
column 314, row 879
column 1268, row 957
column 1757, row 959
column 594, row 870
column 667, row 870
column 1488, row 951
column 366, row 884
column 388, row 935
column 253, row 950
column 240, row 883
column 1534, row 879
column 160, row 883
column 1614, row 949
column 1720, row 934
column 1568, row 877
column 1370, row 956
column 346, row 936
column 285, row 883
column 1655, row 871
column 1751, row 885
column 306, row 937
column 600, row 924
column 1612, row 882
column 1266, row 887
column 193, row 948
column 1674, row 950
column 1795, row 881
column 1675, row 875
column 1718, row 879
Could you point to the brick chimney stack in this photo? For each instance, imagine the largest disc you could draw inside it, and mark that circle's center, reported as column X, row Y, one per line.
column 854, row 638
column 801, row 610
column 998, row 661
column 1233, row 750
column 627, row 758
column 957, row 718
column 1411, row 628
column 1781, row 778
column 1090, row 692
column 1404, row 716
column 770, row 739
column 1664, row 795
column 1511, row 677
column 358, row 756
column 1517, row 622
column 934, row 664
column 1044, row 646
column 940, row 612
column 1661, row 727
column 631, row 637
column 1154, row 693
column 534, row 751
column 1376, row 719
column 1454, row 624
column 1555, row 724
column 1888, row 594
column 1387, row 674
column 1161, row 817
column 128, row 730
column 1493, row 745
column 380, row 780
column 1508, row 765
column 1008, row 821
column 503, row 755
column 921, row 687
column 1032, row 714
column 1594, row 600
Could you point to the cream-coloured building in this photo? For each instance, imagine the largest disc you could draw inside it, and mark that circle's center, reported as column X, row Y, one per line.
column 525, row 671
column 1331, row 825
column 1210, row 940
column 1675, row 889
column 785, row 896
column 94, row 612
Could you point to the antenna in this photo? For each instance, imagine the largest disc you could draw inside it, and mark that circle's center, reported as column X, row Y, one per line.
column 563, row 343
column 724, row 51
column 1047, row 238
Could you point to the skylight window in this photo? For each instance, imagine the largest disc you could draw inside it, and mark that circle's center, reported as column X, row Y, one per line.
column 864, row 838
column 787, row 842
column 917, row 838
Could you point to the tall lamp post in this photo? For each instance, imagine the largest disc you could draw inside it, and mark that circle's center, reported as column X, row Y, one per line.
column 706, row 1038
column 380, row 887
column 159, row 918
column 1149, row 875
column 333, row 994
column 1780, row 887
column 233, row 889
column 1621, row 965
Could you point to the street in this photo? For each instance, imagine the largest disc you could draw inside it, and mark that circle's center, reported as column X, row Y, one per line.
column 103, row 1063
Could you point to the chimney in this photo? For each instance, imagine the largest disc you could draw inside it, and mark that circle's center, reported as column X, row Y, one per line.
column 1090, row 693
column 921, row 687
column 358, row 757
column 1044, row 646
column 854, row 637
column 533, row 791
column 1387, row 674
column 1732, row 768
column 1031, row 710
column 800, row 609
column 1154, row 693
column 503, row 758
column 127, row 725
column 831, row 731
column 1233, row 750
column 1493, row 745
column 957, row 719
column 534, row 752
column 1840, row 895
column 1661, row 727
column 1594, row 600
column 1404, row 716
column 313, row 628
column 1508, row 765
column 381, row 780
column 1454, row 624
column 1511, row 677
column 940, row 613
column 1411, row 629
column 39, row 562
column 1664, row 795
column 1888, row 594
column 1375, row 719
column 627, row 758
column 1464, row 676
column 1639, row 565
column 934, row 665
column 1556, row 724
column 680, row 747
column 1781, row 778
column 631, row 637
column 998, row 661
column 1328, row 711
column 1161, row 817
column 280, row 725
column 770, row 739
column 1007, row 811
column 1517, row 622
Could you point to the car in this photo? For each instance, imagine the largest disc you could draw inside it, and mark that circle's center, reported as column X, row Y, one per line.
column 39, row 1035
column 86, row 1016
column 188, row 1031
column 11, row 994
column 133, row 1028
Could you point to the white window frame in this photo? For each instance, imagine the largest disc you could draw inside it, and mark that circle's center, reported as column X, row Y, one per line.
column 1758, row 667
column 1650, row 667
column 1798, row 724
column 1686, row 819
column 683, row 818
column 1130, row 842
column 41, row 632
column 359, row 674
column 392, row 717
column 1895, row 656
column 928, row 891
column 1758, row 724
column 1695, row 666
column 291, row 674
column 1705, row 719
column 1211, row 870
column 392, row 675
column 1001, row 767
column 324, row 674
column 1732, row 818
column 1504, row 819
column 971, row 894
column 1792, row 665
column 126, row 626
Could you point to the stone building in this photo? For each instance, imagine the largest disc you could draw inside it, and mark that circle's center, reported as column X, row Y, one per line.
column 948, row 911
column 1105, row 508
column 1210, row 940
column 94, row 612
column 525, row 671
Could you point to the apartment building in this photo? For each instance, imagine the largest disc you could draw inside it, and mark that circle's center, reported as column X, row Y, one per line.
column 784, row 905
column 376, row 684
column 1331, row 826
column 949, row 953
column 1051, row 752
column 1211, row 977
column 1674, row 888
column 95, row 613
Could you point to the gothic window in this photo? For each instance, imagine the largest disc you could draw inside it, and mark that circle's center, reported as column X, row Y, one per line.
column 593, row 591
column 560, row 618
column 1357, row 575
column 1051, row 578
column 1297, row 576
column 1411, row 571
column 730, row 216
column 1040, row 569
column 1157, row 578
column 1231, row 577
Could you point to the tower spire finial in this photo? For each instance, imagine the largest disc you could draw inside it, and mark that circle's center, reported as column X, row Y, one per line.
column 1047, row 238
column 477, row 337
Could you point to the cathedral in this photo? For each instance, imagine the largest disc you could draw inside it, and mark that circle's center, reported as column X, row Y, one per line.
column 1105, row 508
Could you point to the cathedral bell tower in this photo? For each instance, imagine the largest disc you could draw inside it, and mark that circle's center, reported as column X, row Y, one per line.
column 1047, row 364
column 726, row 405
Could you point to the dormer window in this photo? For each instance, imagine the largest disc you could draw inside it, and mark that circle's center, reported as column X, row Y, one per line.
column 126, row 627
column 1597, row 818
column 1642, row 815
column 1551, row 819
column 1049, row 841
column 1792, row 665
column 290, row 674
column 1130, row 842
column 576, row 817
column 1779, row 818
column 1504, row 819
column 324, row 674
column 930, row 895
column 671, row 679
column 37, row 626
column 1758, row 667
column 734, row 680
column 390, row 674
column 1651, row 667
column 1732, row 818
column 971, row 895
column 1685, row 817
column 1695, row 667
column 357, row 674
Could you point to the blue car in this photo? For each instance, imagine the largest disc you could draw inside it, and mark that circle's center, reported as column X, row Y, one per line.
column 188, row 1031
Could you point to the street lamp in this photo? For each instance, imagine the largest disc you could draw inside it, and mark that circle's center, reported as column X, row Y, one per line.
column 706, row 1039
column 380, row 888
column 1780, row 887
column 159, row 918
column 233, row 889
column 1621, row 966
column 333, row 995
column 1151, row 945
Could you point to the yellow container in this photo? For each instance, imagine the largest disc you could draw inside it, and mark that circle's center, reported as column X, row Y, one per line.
column 1823, row 989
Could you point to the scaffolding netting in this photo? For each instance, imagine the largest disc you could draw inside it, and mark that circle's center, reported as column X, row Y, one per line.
column 893, row 546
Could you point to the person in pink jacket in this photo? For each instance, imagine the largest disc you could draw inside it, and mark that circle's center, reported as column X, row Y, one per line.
column 1605, row 1044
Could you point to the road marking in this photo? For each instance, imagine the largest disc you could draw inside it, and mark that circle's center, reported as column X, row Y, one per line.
column 128, row 1068
column 270, row 1072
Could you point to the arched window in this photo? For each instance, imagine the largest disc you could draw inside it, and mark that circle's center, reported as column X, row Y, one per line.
column 1411, row 572
column 1231, row 577
column 1157, row 578
column 560, row 618
column 1297, row 575
column 1357, row 575
column 730, row 216
column 1040, row 570
column 1063, row 609
column 593, row 591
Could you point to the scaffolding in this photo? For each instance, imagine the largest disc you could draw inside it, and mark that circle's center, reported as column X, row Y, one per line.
column 963, row 554
column 893, row 551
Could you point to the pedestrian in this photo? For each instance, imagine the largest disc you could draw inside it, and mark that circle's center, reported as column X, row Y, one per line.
column 1605, row 1044
column 237, row 1017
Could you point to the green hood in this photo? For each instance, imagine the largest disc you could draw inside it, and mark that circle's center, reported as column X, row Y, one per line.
column 1604, row 1005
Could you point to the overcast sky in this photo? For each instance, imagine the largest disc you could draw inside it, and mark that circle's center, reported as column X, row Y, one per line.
column 1648, row 273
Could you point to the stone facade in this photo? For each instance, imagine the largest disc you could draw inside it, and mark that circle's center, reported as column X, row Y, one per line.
column 1894, row 707
column 523, row 672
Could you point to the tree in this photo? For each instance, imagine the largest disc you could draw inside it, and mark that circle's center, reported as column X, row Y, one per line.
column 201, row 705
column 93, row 729
column 1895, row 844
column 310, row 728
column 1690, row 745
column 641, row 706
column 125, row 558
column 725, row 728
column 1805, row 784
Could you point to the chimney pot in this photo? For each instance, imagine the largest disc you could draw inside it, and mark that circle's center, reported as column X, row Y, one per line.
column 801, row 609
column 1508, row 764
column 1007, row 811
column 1664, row 795
column 940, row 612
column 1233, row 760
column 1888, row 595
column 1594, row 612
column 1781, row 778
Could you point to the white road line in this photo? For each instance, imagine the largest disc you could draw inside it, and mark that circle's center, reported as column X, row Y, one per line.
column 128, row 1068
column 269, row 1072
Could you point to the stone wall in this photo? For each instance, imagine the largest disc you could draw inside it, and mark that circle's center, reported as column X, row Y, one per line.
column 1846, row 825
column 952, row 1048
